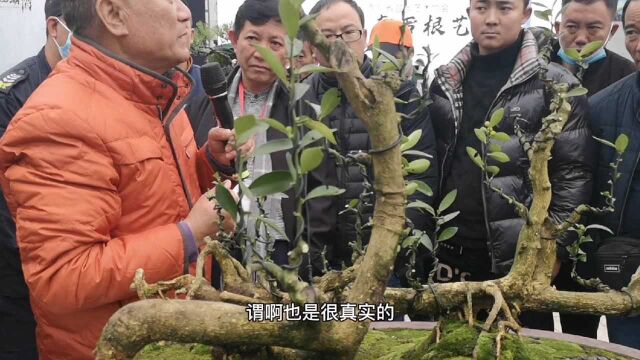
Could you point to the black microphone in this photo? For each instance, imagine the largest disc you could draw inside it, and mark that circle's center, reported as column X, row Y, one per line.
column 215, row 85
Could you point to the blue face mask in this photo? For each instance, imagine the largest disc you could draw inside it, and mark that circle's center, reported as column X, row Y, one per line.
column 65, row 49
column 593, row 58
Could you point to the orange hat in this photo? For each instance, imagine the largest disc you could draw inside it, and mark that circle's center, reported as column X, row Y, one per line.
column 390, row 32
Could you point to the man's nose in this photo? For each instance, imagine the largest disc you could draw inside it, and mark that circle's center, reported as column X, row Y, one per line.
column 492, row 17
column 582, row 39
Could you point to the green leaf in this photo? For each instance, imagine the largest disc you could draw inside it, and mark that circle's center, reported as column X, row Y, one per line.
column 330, row 100
column 425, row 240
column 495, row 147
column 493, row 170
column 387, row 67
column 226, row 201
column 298, row 45
column 322, row 129
column 353, row 203
column 543, row 14
column 591, row 48
column 473, row 154
column 245, row 190
column 417, row 153
column 599, row 227
column 418, row 166
column 277, row 125
column 449, row 217
column 410, row 188
column 247, row 126
column 274, row 146
column 392, row 59
column 539, row 5
column 324, row 191
column 421, row 205
column 447, row 233
column 290, row 16
column 423, row 187
column 274, row 63
column 313, row 68
column 310, row 137
column 481, row 135
column 301, row 89
column 621, row 143
column 316, row 108
column 447, row 201
column 272, row 224
column 500, row 157
column 573, row 53
column 496, row 118
column 500, row 136
column 605, row 142
column 579, row 91
column 412, row 140
column 310, row 159
column 374, row 50
column 271, row 183
column 409, row 240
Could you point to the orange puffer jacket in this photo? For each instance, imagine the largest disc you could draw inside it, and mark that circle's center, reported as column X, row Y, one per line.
column 98, row 168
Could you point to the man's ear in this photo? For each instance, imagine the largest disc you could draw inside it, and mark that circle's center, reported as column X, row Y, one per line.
column 113, row 15
column 614, row 28
column 233, row 37
column 468, row 11
column 556, row 26
column 527, row 14
column 52, row 26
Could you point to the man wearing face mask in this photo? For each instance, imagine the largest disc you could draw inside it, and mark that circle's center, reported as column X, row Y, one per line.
column 17, row 326
column 583, row 22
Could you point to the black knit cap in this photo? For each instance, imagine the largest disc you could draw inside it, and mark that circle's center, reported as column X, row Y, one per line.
column 53, row 8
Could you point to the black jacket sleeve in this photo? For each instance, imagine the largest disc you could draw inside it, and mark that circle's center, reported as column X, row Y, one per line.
column 572, row 165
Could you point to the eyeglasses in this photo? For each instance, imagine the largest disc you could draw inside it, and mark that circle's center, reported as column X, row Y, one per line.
column 347, row 36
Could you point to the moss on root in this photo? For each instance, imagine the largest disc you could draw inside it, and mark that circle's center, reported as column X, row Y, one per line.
column 457, row 342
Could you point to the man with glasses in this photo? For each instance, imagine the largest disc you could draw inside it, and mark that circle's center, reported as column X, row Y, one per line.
column 583, row 22
column 17, row 326
column 331, row 232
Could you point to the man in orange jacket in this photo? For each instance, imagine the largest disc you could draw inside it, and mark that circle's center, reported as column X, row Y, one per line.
column 101, row 171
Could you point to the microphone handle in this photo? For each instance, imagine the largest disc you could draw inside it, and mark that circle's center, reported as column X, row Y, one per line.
column 223, row 111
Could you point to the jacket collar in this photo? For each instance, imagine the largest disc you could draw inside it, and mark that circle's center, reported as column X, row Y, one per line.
column 451, row 76
column 134, row 82
column 527, row 64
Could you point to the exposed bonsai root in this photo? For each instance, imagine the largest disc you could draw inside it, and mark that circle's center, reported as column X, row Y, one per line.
column 499, row 304
column 159, row 289
column 470, row 315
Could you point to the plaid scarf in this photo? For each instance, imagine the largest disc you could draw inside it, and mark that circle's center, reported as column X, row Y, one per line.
column 451, row 76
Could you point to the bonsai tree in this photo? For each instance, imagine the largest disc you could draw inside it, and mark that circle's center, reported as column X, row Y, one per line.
column 220, row 317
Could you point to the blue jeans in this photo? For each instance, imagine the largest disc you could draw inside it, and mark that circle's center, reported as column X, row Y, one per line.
column 624, row 331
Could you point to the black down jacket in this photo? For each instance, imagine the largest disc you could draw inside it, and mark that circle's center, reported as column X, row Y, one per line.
column 329, row 231
column 525, row 102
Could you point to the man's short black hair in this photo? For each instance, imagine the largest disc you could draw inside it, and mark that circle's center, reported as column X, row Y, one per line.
column 257, row 12
column 79, row 15
column 612, row 5
column 526, row 3
column 53, row 8
column 624, row 9
column 323, row 4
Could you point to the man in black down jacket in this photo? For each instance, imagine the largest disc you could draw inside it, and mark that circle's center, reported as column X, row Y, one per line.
column 329, row 231
column 615, row 111
column 500, row 69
